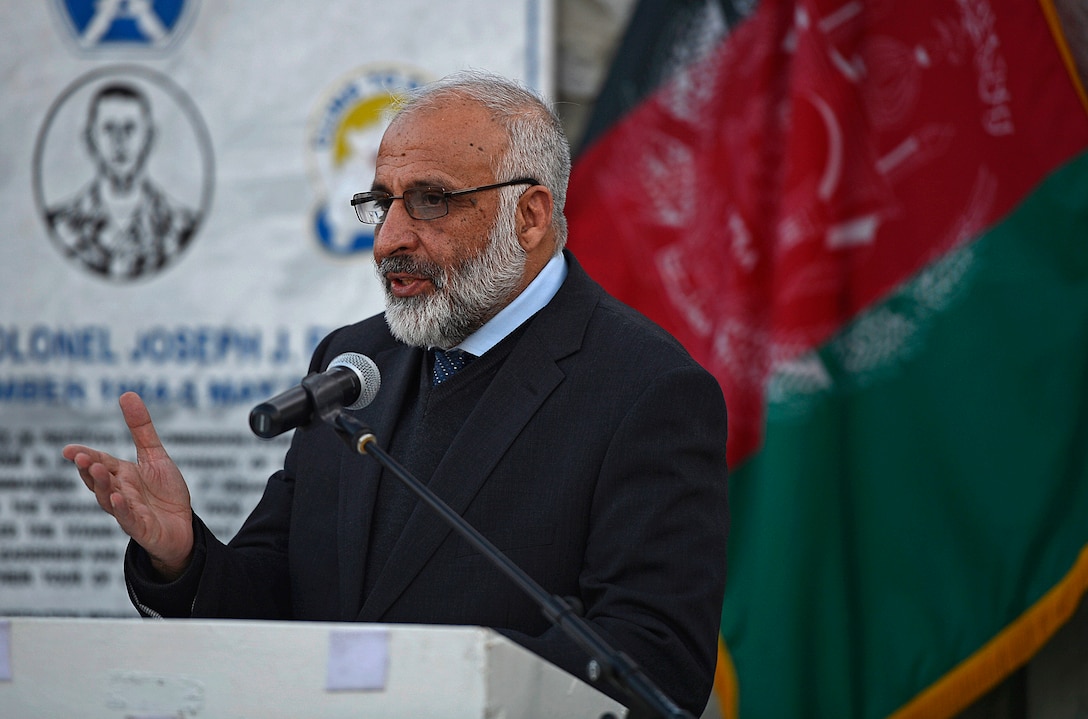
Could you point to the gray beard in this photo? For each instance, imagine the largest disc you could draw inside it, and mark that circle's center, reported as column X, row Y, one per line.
column 465, row 296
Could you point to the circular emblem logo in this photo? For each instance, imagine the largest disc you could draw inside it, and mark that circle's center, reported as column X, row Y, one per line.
column 344, row 138
column 123, row 172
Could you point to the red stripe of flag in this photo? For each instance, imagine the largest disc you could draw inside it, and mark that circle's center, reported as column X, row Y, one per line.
column 820, row 156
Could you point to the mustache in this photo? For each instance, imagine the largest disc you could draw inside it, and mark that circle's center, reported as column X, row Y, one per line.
column 406, row 264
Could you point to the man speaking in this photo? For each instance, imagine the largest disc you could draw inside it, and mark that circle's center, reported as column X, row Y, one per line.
column 578, row 437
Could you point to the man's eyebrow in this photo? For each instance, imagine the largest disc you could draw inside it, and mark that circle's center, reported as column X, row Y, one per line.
column 429, row 182
column 379, row 187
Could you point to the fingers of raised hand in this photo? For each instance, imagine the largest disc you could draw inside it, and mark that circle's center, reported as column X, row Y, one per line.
column 104, row 483
column 84, row 458
column 120, row 493
column 97, row 470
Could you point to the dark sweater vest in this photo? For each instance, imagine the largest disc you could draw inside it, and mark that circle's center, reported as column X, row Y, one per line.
column 429, row 421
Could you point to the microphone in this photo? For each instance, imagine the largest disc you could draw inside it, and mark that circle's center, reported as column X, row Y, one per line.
column 351, row 381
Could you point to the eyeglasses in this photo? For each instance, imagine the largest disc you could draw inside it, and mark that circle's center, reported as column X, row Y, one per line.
column 422, row 203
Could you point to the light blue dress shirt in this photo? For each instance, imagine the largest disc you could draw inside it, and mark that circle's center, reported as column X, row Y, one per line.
column 532, row 299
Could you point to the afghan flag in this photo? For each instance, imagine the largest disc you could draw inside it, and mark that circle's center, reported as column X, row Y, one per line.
column 869, row 220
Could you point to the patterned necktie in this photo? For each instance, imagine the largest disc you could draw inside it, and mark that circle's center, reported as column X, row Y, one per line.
column 447, row 363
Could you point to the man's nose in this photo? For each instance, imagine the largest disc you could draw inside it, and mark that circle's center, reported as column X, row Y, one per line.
column 397, row 234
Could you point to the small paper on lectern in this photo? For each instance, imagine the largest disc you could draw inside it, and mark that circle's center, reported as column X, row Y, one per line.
column 358, row 660
column 5, row 651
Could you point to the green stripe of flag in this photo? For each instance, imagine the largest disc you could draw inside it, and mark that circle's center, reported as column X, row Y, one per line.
column 923, row 481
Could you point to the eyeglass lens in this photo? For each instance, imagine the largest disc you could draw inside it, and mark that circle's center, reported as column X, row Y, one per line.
column 426, row 203
column 422, row 203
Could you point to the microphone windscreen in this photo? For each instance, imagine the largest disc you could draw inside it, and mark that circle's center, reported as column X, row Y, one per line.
column 370, row 379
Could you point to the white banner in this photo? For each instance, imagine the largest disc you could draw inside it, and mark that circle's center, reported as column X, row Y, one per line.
column 175, row 188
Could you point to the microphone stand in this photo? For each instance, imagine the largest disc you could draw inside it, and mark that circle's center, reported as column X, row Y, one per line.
column 646, row 700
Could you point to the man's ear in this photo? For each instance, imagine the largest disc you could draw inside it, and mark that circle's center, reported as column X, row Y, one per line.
column 534, row 217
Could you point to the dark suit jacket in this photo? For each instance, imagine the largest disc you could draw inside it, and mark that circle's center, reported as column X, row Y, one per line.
column 595, row 460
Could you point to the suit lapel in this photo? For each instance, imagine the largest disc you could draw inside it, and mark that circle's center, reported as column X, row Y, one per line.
column 523, row 383
column 359, row 475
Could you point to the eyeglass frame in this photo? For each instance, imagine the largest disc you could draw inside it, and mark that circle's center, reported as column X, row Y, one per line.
column 361, row 198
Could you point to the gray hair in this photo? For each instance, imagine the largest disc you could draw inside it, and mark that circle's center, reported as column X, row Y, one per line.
column 537, row 145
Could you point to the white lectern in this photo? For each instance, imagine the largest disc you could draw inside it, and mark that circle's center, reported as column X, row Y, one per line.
column 154, row 669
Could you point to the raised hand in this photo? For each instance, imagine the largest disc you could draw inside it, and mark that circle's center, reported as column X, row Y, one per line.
column 148, row 498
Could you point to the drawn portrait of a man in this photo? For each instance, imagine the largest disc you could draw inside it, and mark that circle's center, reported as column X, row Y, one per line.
column 121, row 224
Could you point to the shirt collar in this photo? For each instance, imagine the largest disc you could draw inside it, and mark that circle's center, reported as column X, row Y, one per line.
column 532, row 299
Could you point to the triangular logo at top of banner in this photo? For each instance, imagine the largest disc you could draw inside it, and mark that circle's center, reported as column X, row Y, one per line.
column 125, row 24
